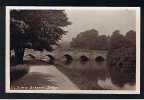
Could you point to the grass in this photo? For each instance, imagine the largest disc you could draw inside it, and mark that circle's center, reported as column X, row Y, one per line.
column 85, row 79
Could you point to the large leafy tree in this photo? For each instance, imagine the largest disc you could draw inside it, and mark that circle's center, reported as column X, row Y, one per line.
column 131, row 37
column 36, row 29
column 90, row 39
column 117, row 40
column 85, row 39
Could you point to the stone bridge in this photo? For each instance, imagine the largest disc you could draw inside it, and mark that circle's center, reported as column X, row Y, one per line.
column 77, row 54
column 60, row 55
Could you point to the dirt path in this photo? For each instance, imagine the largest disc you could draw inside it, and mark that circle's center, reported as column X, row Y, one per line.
column 46, row 77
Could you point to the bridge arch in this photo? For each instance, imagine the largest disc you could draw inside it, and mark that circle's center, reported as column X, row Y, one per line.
column 68, row 57
column 99, row 59
column 84, row 58
column 51, row 59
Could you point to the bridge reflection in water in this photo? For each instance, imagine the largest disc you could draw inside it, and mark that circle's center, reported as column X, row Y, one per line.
column 84, row 64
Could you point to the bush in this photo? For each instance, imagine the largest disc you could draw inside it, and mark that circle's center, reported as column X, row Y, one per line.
column 122, row 65
column 18, row 71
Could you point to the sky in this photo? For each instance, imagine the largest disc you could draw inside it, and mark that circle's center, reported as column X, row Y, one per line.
column 104, row 21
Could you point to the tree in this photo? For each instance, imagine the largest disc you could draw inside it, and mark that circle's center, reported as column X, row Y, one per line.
column 36, row 29
column 121, row 58
column 85, row 40
column 102, row 42
column 116, row 40
column 131, row 37
column 90, row 39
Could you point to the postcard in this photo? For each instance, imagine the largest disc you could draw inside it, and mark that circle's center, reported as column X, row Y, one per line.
column 79, row 50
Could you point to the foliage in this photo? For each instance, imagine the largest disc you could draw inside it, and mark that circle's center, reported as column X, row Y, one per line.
column 90, row 39
column 116, row 40
column 36, row 29
column 122, row 58
column 131, row 37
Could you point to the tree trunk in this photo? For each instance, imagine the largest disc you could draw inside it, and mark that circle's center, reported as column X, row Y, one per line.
column 19, row 53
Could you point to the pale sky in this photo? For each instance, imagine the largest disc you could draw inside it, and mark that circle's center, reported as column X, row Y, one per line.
column 105, row 21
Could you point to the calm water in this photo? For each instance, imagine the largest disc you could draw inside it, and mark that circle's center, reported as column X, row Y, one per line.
column 76, row 64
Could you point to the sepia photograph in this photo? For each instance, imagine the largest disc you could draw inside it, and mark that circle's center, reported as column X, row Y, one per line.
column 92, row 50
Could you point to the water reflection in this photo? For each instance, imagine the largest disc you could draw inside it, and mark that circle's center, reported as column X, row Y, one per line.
column 68, row 62
column 68, row 59
column 85, row 64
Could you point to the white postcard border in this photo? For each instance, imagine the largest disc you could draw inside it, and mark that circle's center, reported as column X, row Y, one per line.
column 7, row 55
